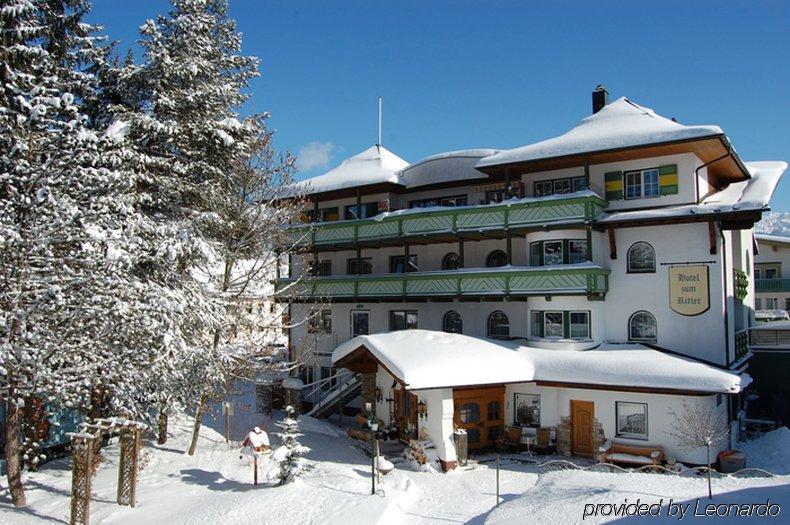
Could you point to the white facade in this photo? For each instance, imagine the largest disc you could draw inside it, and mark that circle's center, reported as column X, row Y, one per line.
column 772, row 268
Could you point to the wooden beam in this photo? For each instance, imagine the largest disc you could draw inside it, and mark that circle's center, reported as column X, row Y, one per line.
column 612, row 245
column 712, row 237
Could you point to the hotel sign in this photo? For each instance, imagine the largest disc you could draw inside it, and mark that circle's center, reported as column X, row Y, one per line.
column 689, row 289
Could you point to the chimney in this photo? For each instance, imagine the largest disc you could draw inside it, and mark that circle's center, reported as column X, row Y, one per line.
column 600, row 98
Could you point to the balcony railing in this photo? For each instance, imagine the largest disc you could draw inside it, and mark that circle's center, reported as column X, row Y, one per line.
column 441, row 225
column 772, row 285
column 485, row 282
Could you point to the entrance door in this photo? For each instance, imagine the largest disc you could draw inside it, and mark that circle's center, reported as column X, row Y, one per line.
column 480, row 411
column 360, row 322
column 405, row 413
column 582, row 416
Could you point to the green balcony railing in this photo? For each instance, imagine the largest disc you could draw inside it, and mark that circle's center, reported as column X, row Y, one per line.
column 414, row 223
column 772, row 285
column 485, row 282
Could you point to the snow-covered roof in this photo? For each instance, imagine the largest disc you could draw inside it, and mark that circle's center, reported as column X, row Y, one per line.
column 445, row 167
column 375, row 165
column 752, row 194
column 773, row 325
column 425, row 359
column 772, row 238
column 621, row 124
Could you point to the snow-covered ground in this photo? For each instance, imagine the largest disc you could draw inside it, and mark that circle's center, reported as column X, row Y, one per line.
column 215, row 486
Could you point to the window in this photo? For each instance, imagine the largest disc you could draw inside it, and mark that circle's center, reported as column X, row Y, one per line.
column 553, row 324
column 642, row 327
column 536, row 323
column 552, row 253
column 770, row 273
column 326, row 373
column 577, row 251
column 494, row 410
column 455, row 200
column 631, row 419
column 527, row 410
column 324, row 214
column 320, row 268
column 496, row 258
column 320, row 322
column 360, row 322
column 494, row 196
column 787, row 303
column 498, row 325
column 758, row 304
column 403, row 320
column 580, row 325
column 771, row 303
column 365, row 210
column 639, row 184
column 469, row 413
column 451, row 261
column 543, row 188
column 452, row 323
column 398, row 264
column 359, row 266
column 641, row 258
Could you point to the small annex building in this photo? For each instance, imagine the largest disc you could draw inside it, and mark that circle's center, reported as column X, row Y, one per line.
column 586, row 396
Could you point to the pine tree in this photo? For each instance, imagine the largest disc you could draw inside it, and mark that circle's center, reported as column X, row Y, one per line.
column 61, row 223
column 290, row 453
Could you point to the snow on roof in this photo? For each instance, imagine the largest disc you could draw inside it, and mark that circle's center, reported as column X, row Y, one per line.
column 620, row 124
column 373, row 166
column 751, row 194
column 460, row 360
column 445, row 167
column 772, row 325
column 771, row 238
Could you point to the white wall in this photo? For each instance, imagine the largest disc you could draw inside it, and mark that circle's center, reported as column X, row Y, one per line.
column 556, row 403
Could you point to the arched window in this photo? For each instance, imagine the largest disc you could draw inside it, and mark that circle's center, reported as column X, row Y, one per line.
column 498, row 325
column 496, row 258
column 641, row 258
column 452, row 323
column 642, row 327
column 451, row 261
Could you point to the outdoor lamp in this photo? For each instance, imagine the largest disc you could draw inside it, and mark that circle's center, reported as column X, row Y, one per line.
column 422, row 409
column 374, row 425
column 378, row 394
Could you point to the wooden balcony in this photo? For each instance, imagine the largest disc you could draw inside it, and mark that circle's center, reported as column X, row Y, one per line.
column 772, row 285
column 415, row 226
column 506, row 282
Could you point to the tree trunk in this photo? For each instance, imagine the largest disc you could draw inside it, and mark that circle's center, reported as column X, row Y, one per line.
column 198, row 421
column 710, row 489
column 161, row 437
column 13, row 451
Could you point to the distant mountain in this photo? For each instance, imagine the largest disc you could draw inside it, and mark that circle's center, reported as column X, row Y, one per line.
column 774, row 223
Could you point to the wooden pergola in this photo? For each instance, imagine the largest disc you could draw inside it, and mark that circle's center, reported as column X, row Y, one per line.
column 85, row 446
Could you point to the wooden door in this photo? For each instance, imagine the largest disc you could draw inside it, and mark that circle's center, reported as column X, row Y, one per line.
column 480, row 411
column 582, row 416
column 405, row 413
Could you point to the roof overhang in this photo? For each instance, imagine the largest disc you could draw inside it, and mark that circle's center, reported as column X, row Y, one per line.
column 725, row 167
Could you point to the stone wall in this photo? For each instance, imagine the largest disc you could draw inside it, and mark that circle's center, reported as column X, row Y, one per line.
column 565, row 436
column 368, row 386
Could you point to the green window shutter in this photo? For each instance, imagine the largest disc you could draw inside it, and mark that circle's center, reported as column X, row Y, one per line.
column 566, row 251
column 668, row 179
column 536, row 328
column 614, row 185
column 566, row 324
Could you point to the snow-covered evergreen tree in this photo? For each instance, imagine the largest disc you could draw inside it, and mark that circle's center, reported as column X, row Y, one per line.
column 290, row 455
column 60, row 218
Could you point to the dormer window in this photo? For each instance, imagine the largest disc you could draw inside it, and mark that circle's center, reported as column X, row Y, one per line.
column 642, row 183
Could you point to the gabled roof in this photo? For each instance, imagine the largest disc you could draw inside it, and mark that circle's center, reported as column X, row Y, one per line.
column 425, row 359
column 450, row 166
column 375, row 165
column 621, row 124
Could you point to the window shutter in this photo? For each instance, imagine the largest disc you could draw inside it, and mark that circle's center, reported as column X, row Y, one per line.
column 566, row 324
column 537, row 318
column 668, row 179
column 614, row 185
column 566, row 251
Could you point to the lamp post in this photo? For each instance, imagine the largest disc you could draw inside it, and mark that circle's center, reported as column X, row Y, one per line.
column 374, row 427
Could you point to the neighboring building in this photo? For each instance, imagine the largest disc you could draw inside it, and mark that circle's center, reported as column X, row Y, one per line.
column 772, row 276
column 770, row 368
column 592, row 272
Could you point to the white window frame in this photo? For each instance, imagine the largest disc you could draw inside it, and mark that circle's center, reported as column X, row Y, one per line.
column 546, row 324
column 630, row 435
column 586, row 324
column 771, row 303
column 641, row 184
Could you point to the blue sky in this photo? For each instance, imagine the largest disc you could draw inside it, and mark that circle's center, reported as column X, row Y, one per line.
column 501, row 74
